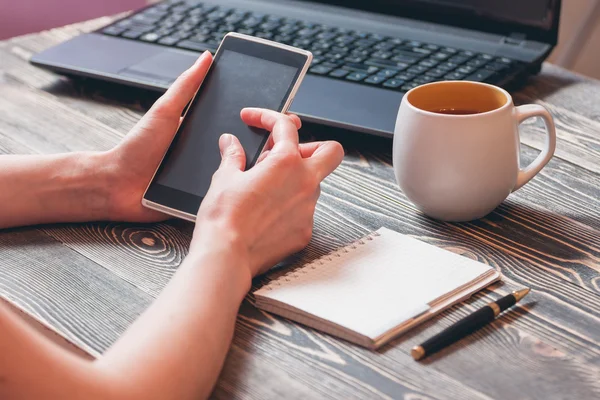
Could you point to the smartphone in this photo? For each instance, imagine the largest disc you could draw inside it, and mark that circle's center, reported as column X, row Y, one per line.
column 246, row 72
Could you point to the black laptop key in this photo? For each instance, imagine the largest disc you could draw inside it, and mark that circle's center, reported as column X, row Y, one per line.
column 384, row 46
column 326, row 35
column 200, row 38
column 169, row 40
column 133, row 34
column 113, row 30
column 447, row 66
column 386, row 64
column 441, row 56
column 429, row 63
column 235, row 18
column 356, row 76
column 332, row 64
column 393, row 83
column 150, row 37
column 307, row 32
column 410, row 52
column 496, row 66
column 481, row 75
column 423, row 79
column 466, row 69
column 405, row 59
column 288, row 28
column 454, row 76
column 382, row 55
column 320, row 46
column 459, row 59
column 339, row 73
column 417, row 69
column 436, row 73
column 477, row 62
column 368, row 69
column 302, row 43
column 145, row 19
column 182, row 7
column 504, row 60
column 387, row 73
column 360, row 52
column 197, row 46
column 486, row 57
column 320, row 70
column 364, row 43
column 354, row 59
column 467, row 53
column 377, row 37
column 264, row 35
column 405, row 76
column 334, row 56
column 339, row 49
column 409, row 86
column 345, row 39
column 247, row 31
column 269, row 26
column 375, row 80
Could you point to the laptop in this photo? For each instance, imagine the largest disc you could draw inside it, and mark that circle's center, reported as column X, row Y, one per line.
column 367, row 53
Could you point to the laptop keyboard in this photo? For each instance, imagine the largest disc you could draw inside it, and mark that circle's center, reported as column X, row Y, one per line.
column 362, row 57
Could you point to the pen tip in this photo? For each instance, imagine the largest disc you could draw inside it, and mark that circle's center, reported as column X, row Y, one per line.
column 519, row 294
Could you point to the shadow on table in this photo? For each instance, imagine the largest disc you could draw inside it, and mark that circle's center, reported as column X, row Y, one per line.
column 105, row 92
column 551, row 80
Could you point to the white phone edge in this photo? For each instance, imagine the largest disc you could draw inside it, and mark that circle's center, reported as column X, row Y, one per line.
column 191, row 217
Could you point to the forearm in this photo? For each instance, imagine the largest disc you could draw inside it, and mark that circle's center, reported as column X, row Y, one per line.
column 174, row 350
column 177, row 347
column 51, row 188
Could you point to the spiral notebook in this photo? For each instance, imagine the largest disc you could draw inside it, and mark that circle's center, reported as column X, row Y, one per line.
column 376, row 288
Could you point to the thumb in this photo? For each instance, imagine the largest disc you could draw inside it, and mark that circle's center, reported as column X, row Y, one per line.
column 232, row 152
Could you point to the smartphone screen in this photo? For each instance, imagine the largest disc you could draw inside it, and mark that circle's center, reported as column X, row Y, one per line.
column 244, row 74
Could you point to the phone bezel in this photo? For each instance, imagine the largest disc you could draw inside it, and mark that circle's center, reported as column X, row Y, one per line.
column 230, row 41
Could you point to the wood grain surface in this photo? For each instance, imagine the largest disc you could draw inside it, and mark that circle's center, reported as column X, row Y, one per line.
column 90, row 281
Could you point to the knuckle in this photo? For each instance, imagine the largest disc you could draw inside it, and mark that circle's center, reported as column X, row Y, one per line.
column 163, row 107
column 287, row 160
column 233, row 152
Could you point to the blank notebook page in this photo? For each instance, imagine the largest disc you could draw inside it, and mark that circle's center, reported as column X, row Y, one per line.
column 373, row 287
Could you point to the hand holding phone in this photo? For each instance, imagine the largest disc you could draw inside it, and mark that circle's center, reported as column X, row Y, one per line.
column 246, row 72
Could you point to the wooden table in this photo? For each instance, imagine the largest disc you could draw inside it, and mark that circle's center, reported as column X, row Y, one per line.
column 90, row 281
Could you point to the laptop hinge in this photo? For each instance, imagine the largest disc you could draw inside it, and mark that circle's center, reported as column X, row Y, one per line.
column 515, row 39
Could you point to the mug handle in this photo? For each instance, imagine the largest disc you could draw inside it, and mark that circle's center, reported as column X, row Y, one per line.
column 529, row 111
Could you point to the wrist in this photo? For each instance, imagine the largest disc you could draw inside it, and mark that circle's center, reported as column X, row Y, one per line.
column 81, row 184
column 221, row 251
column 97, row 178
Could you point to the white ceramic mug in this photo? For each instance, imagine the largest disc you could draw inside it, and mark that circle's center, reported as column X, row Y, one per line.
column 456, row 148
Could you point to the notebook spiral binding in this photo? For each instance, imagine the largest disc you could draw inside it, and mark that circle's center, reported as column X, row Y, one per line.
column 314, row 264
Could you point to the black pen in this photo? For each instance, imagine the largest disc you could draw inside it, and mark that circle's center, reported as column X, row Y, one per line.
column 467, row 325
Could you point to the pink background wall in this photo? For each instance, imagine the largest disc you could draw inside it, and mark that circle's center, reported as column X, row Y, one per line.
column 18, row 17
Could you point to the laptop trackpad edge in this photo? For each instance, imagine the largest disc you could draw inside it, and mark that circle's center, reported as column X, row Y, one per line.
column 163, row 67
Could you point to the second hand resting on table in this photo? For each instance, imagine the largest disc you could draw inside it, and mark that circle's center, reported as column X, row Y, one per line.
column 248, row 221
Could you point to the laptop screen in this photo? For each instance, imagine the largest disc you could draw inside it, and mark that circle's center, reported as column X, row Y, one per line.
column 528, row 12
column 537, row 19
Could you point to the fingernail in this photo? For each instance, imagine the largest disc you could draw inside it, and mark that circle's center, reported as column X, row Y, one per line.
column 202, row 57
column 226, row 140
